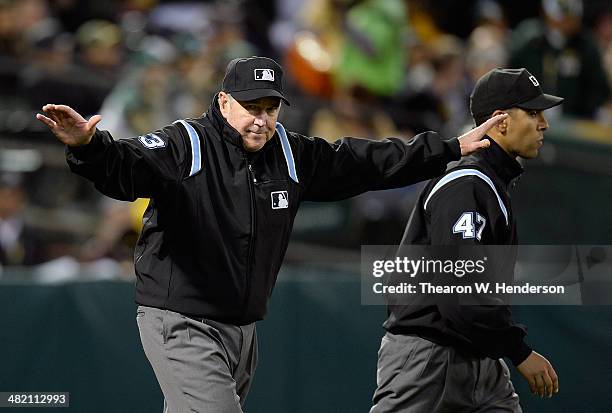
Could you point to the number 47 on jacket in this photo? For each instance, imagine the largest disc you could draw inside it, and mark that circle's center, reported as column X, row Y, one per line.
column 470, row 225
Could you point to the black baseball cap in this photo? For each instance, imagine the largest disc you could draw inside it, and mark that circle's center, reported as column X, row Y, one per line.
column 508, row 88
column 249, row 78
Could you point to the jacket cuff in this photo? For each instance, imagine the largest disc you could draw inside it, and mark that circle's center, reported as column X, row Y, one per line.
column 453, row 148
column 95, row 146
column 520, row 354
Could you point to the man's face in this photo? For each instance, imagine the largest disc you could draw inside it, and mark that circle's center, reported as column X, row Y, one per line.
column 255, row 120
column 524, row 132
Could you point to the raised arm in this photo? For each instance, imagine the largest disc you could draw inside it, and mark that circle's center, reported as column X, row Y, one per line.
column 351, row 166
column 124, row 169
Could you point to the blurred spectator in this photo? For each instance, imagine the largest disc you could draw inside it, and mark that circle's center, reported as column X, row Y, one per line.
column 312, row 52
column 22, row 25
column 17, row 19
column 50, row 72
column 561, row 53
column 435, row 93
column 73, row 13
column 449, row 86
column 422, row 22
column 356, row 112
column 416, row 109
column 19, row 243
column 229, row 36
column 373, row 53
column 486, row 45
column 142, row 100
column 8, row 32
column 287, row 23
column 116, row 235
column 31, row 13
column 310, row 64
column 82, row 81
column 255, row 18
column 99, row 46
column 324, row 18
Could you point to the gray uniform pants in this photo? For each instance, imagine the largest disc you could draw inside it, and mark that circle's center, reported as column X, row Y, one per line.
column 201, row 365
column 417, row 376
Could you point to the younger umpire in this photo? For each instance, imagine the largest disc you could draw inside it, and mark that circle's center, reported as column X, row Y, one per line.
column 437, row 357
column 225, row 189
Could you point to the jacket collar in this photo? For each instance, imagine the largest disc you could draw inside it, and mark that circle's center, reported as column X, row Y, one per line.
column 504, row 165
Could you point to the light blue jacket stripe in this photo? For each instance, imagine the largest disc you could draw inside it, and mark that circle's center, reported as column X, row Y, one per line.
column 287, row 152
column 467, row 172
column 196, row 154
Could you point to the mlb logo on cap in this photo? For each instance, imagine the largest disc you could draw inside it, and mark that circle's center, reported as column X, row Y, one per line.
column 280, row 200
column 264, row 74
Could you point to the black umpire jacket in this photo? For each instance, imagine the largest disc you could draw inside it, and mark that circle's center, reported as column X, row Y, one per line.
column 469, row 205
column 219, row 219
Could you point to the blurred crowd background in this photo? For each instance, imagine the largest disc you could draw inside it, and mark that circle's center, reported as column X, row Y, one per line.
column 365, row 68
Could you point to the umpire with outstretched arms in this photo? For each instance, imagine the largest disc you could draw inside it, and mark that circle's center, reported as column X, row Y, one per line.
column 440, row 356
column 224, row 190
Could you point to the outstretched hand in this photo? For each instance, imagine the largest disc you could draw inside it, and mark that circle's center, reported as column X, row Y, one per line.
column 68, row 126
column 472, row 141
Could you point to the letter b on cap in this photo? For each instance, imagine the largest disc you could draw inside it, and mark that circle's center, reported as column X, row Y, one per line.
column 534, row 80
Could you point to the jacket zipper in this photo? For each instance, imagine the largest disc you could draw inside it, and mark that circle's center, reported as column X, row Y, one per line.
column 251, row 178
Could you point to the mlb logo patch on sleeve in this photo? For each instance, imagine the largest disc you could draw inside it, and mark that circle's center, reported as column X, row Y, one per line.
column 280, row 200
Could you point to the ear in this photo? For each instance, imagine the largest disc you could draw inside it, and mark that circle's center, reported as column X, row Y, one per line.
column 222, row 99
column 502, row 126
column 224, row 102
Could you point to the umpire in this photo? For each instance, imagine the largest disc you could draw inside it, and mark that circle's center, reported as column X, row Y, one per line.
column 438, row 356
column 224, row 190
